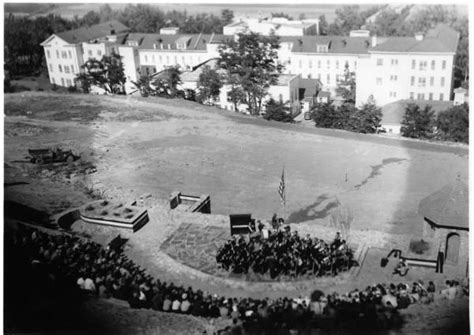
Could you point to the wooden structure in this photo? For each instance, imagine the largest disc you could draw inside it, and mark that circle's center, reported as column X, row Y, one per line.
column 191, row 203
column 446, row 224
column 240, row 223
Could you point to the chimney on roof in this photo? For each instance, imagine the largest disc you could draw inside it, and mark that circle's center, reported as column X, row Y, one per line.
column 154, row 45
column 169, row 46
column 374, row 41
column 419, row 36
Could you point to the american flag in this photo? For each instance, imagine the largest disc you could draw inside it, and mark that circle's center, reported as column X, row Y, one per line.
column 281, row 188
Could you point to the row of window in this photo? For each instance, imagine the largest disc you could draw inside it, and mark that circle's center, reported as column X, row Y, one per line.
column 328, row 64
column 67, row 69
column 91, row 54
column 68, row 82
column 422, row 81
column 62, row 54
column 421, row 96
column 167, row 57
column 422, row 65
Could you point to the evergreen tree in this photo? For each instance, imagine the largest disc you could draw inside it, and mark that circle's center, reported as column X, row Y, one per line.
column 417, row 122
column 453, row 124
column 346, row 88
column 366, row 119
column 277, row 111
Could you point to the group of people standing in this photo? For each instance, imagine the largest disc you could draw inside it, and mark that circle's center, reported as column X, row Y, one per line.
column 279, row 251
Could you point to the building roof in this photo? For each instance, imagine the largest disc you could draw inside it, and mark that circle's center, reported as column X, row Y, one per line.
column 311, row 86
column 285, row 79
column 440, row 39
column 86, row 34
column 193, row 76
column 448, row 207
column 324, row 94
column 197, row 41
column 336, row 44
column 394, row 112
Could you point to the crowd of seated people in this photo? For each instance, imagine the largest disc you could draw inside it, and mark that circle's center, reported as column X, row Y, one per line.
column 282, row 252
column 107, row 272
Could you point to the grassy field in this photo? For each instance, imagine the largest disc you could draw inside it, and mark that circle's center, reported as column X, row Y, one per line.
column 158, row 146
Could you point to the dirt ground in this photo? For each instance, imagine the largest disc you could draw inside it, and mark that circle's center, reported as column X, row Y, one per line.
column 132, row 147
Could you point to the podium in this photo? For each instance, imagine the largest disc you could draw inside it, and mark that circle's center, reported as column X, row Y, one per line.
column 239, row 224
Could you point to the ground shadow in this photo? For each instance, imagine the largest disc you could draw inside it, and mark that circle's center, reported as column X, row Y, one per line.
column 376, row 170
column 309, row 212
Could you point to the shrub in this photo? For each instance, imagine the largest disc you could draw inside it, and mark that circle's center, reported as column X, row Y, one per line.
column 453, row 124
column 277, row 111
column 417, row 122
column 104, row 213
column 89, row 208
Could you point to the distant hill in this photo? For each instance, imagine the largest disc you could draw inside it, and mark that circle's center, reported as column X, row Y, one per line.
column 461, row 10
column 69, row 10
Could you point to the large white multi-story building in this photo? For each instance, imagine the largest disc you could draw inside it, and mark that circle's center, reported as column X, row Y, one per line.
column 386, row 69
column 66, row 52
column 419, row 67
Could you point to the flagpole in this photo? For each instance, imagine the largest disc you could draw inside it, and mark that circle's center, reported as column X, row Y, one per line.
column 282, row 191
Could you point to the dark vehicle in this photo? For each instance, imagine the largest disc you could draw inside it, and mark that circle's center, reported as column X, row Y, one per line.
column 40, row 156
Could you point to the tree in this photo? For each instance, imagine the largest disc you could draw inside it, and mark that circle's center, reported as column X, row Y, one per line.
column 346, row 88
column 461, row 61
column 277, row 111
column 347, row 19
column 323, row 25
column 90, row 18
column 388, row 22
column 417, row 122
column 227, row 16
column 167, row 83
column 106, row 73
column 366, row 119
column 323, row 115
column 236, row 94
column 282, row 14
column 252, row 60
column 143, row 85
column 453, row 124
column 209, row 84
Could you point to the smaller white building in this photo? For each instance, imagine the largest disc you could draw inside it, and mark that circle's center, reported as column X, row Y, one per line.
column 279, row 26
column 461, row 95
